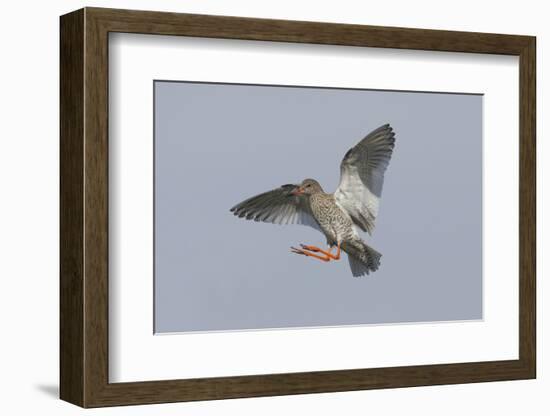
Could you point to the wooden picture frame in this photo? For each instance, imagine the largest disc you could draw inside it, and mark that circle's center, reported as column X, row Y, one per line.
column 84, row 207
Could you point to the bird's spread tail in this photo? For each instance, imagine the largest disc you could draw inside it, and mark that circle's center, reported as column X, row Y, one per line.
column 362, row 258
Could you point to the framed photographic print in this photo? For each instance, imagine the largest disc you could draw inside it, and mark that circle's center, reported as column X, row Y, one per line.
column 255, row 207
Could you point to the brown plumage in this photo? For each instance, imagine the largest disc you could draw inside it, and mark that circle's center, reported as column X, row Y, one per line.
column 353, row 205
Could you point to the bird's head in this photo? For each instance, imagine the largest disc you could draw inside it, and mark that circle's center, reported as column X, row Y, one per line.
column 308, row 187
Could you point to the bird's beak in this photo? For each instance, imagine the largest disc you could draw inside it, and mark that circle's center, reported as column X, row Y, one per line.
column 297, row 191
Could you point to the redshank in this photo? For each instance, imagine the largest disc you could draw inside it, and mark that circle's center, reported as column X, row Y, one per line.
column 340, row 215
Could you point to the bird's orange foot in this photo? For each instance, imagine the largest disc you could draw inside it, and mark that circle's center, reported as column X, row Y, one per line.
column 315, row 249
column 325, row 252
column 311, row 250
column 309, row 254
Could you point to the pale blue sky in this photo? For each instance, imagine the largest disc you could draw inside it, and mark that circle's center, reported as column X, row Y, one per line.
column 217, row 144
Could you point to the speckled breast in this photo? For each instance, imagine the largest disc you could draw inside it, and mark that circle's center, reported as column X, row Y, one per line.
column 334, row 222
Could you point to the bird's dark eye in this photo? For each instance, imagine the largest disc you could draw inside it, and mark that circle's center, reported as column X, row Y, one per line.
column 308, row 185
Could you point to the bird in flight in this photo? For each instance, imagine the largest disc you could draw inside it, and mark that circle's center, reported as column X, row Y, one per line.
column 353, row 206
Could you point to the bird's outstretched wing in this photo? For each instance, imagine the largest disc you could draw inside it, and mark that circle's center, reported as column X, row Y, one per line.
column 277, row 206
column 362, row 176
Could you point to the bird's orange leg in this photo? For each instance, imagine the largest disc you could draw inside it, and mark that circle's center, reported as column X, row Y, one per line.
column 309, row 254
column 310, row 250
column 326, row 253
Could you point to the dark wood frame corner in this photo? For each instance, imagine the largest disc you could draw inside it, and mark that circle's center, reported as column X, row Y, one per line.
column 84, row 209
